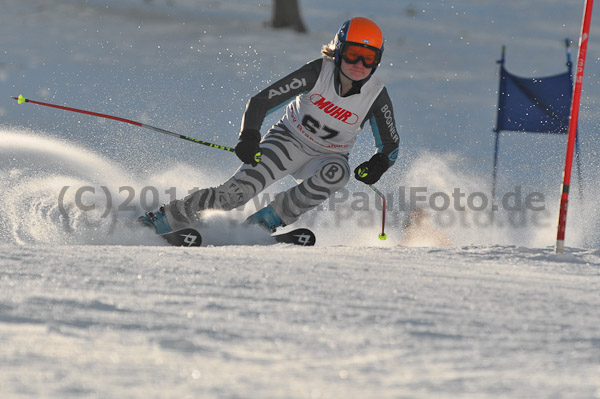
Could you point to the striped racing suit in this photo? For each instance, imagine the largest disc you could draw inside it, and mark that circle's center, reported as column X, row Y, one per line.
column 311, row 142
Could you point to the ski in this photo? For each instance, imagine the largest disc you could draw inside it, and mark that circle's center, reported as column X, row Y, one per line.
column 192, row 238
column 303, row 237
column 189, row 237
column 183, row 238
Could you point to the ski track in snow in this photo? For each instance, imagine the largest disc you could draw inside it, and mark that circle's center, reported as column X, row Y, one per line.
column 161, row 322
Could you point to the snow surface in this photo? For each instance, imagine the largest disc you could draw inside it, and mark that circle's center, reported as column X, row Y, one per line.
column 92, row 307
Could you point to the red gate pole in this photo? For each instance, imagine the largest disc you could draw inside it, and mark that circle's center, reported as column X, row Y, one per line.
column 564, row 199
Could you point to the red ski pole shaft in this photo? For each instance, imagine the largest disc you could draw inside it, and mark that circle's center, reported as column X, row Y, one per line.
column 382, row 236
column 22, row 100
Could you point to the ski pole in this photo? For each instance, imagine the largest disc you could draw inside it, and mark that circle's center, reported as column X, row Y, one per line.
column 382, row 236
column 22, row 100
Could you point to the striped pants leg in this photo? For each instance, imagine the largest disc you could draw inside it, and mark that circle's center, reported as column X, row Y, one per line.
column 319, row 175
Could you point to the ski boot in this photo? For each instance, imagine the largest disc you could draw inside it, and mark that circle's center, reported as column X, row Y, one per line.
column 266, row 218
column 156, row 219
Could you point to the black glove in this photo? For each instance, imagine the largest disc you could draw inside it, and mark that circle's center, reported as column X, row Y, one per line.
column 247, row 149
column 370, row 172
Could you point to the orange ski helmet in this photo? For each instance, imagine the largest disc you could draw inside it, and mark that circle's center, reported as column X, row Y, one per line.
column 362, row 32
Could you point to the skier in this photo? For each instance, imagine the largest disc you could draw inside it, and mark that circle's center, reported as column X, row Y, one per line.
column 333, row 97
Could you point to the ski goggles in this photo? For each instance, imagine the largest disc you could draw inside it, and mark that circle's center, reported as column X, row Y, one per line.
column 354, row 52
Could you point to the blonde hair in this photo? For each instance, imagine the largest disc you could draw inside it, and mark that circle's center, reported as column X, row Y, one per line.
column 328, row 50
